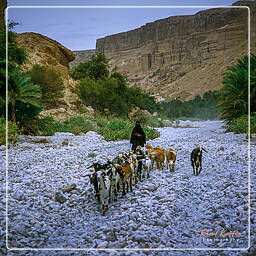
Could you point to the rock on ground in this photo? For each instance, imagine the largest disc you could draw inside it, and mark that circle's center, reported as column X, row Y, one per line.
column 168, row 210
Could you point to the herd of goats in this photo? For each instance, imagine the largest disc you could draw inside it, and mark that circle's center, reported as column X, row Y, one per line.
column 128, row 168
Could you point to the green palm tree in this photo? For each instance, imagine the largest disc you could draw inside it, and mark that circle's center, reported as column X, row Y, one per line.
column 21, row 89
column 233, row 97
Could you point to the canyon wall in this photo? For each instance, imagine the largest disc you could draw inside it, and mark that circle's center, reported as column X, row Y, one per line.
column 182, row 56
column 81, row 56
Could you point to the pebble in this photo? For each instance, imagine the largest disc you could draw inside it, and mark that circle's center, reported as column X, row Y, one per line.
column 168, row 209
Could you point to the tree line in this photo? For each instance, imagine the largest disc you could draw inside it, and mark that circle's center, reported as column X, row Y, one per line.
column 108, row 90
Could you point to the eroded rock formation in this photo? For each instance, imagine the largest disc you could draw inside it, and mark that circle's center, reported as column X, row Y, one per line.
column 48, row 52
column 182, row 56
column 45, row 51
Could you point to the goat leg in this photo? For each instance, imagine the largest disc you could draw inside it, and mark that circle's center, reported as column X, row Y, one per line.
column 124, row 189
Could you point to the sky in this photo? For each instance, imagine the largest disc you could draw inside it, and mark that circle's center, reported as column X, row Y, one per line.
column 78, row 28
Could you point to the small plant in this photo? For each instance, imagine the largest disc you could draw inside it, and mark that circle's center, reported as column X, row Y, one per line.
column 13, row 132
column 240, row 125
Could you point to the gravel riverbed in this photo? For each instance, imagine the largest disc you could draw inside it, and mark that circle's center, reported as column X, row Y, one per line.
column 167, row 211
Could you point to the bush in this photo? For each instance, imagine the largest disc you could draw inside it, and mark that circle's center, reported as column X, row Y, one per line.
column 240, row 125
column 50, row 81
column 49, row 126
column 119, row 129
column 13, row 131
column 104, row 94
column 95, row 69
column 111, row 130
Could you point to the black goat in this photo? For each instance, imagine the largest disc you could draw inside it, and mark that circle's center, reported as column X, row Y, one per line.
column 196, row 159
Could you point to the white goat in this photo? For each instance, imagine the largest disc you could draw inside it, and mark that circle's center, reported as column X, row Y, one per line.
column 147, row 166
column 104, row 190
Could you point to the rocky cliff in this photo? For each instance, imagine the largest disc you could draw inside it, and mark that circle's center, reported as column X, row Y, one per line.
column 182, row 56
column 81, row 56
column 48, row 52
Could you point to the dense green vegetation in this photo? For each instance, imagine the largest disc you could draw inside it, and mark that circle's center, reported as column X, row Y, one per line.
column 111, row 129
column 240, row 124
column 23, row 95
column 108, row 93
column 103, row 89
column 96, row 69
column 199, row 108
column 233, row 97
column 50, row 82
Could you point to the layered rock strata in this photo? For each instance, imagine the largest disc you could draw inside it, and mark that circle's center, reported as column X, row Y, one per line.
column 182, row 56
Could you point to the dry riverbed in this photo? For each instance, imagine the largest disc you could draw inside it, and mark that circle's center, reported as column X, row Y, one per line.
column 167, row 211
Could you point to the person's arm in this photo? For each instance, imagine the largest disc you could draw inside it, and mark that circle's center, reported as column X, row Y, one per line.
column 132, row 137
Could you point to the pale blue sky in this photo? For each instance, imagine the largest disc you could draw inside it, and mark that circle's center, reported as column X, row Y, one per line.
column 78, row 28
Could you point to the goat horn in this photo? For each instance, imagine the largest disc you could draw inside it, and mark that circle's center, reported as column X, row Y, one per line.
column 204, row 150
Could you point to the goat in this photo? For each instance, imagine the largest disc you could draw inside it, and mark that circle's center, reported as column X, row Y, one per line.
column 196, row 159
column 125, row 172
column 160, row 157
column 104, row 190
column 93, row 177
column 156, row 155
column 147, row 166
column 134, row 166
column 140, row 158
column 114, row 180
column 170, row 159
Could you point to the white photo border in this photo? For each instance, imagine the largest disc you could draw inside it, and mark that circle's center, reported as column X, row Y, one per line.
column 129, row 249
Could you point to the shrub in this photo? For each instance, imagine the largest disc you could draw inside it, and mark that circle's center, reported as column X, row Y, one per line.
column 95, row 69
column 13, row 131
column 104, row 94
column 50, row 81
column 111, row 130
column 119, row 129
column 22, row 92
column 49, row 126
column 240, row 124
column 145, row 118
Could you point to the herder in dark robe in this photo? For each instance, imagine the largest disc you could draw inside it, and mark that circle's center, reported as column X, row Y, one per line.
column 138, row 137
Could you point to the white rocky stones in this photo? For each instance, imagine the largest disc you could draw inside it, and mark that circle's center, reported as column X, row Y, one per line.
column 166, row 210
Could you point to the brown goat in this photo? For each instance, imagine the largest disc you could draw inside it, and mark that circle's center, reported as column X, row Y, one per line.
column 157, row 155
column 125, row 172
column 170, row 159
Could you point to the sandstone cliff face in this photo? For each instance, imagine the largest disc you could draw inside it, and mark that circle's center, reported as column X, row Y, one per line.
column 81, row 56
column 45, row 51
column 181, row 56
column 48, row 52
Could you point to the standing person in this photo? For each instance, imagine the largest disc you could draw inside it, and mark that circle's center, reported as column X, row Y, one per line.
column 138, row 137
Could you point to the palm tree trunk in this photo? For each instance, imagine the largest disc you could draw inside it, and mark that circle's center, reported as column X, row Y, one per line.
column 13, row 113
